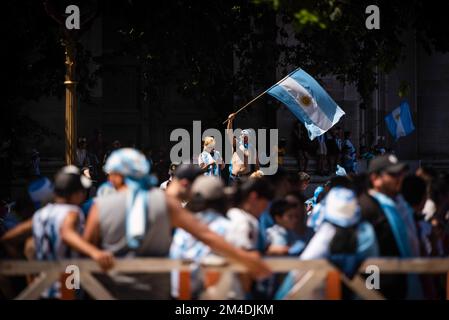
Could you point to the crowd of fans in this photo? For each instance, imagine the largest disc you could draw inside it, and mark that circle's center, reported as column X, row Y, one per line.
column 194, row 215
column 332, row 148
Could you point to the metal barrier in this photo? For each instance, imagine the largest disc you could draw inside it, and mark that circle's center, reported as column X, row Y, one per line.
column 315, row 273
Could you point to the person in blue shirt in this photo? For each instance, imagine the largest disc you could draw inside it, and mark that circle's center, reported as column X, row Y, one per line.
column 349, row 154
column 343, row 238
column 210, row 159
column 281, row 186
column 281, row 237
column 208, row 203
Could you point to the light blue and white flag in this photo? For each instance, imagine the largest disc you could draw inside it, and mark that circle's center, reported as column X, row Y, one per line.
column 308, row 101
column 399, row 121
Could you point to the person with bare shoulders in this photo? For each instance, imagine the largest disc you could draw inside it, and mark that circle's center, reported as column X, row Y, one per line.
column 144, row 227
column 243, row 153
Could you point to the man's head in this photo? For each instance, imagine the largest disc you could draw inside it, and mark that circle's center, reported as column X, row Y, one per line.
column 82, row 143
column 208, row 193
column 117, row 180
column 181, row 185
column 245, row 136
column 126, row 163
column 285, row 214
column 70, row 185
column 172, row 169
column 303, row 181
column 255, row 195
column 386, row 174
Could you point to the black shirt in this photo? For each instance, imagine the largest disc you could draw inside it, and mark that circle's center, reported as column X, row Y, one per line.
column 392, row 286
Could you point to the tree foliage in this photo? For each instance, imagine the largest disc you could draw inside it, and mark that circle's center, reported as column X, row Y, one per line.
column 197, row 45
column 332, row 37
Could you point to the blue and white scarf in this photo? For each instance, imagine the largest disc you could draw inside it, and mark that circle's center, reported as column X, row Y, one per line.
column 206, row 159
column 396, row 214
column 135, row 168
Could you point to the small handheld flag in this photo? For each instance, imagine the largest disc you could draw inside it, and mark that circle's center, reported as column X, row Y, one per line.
column 399, row 121
column 308, row 101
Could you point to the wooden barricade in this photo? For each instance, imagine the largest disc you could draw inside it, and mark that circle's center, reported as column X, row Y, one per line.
column 314, row 274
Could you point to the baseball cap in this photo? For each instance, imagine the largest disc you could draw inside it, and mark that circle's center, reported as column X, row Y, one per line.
column 69, row 180
column 386, row 163
column 188, row 171
column 40, row 191
column 208, row 188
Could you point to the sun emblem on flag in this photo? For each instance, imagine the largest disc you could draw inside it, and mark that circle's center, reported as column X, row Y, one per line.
column 398, row 116
column 306, row 101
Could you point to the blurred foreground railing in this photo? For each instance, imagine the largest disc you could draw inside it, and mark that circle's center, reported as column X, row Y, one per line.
column 314, row 274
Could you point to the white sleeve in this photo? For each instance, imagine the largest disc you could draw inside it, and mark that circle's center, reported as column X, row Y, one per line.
column 200, row 159
column 276, row 237
column 163, row 185
column 318, row 247
column 239, row 234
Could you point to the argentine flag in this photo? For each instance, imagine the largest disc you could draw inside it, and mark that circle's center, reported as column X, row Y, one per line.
column 308, row 101
column 399, row 121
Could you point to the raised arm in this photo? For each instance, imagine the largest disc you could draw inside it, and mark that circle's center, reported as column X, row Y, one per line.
column 18, row 233
column 229, row 128
column 220, row 161
column 12, row 238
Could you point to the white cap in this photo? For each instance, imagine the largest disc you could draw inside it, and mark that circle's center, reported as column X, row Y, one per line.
column 341, row 207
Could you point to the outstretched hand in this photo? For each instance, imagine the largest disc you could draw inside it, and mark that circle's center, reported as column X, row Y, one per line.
column 257, row 268
column 104, row 259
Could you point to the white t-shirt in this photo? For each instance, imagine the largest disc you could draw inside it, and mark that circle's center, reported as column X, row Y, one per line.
column 244, row 229
column 186, row 246
column 47, row 223
column 429, row 209
column 164, row 184
column 243, row 233
column 206, row 158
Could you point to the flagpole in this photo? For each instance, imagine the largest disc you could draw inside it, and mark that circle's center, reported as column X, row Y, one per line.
column 246, row 105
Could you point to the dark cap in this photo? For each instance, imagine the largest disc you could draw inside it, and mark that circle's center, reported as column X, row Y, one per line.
column 386, row 163
column 208, row 188
column 69, row 180
column 188, row 171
